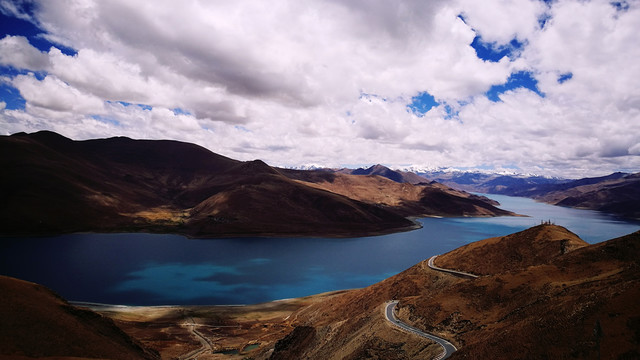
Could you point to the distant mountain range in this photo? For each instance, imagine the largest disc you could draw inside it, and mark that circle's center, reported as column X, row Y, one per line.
column 618, row 193
column 50, row 184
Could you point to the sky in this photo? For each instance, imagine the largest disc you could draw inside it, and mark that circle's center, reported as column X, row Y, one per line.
column 527, row 86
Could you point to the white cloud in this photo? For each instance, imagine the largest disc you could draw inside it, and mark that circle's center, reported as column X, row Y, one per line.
column 500, row 21
column 56, row 96
column 16, row 51
column 328, row 82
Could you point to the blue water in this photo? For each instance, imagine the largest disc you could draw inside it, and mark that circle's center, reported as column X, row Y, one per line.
column 151, row 269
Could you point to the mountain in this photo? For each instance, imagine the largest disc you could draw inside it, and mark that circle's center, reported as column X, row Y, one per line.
column 51, row 184
column 422, row 199
column 38, row 323
column 489, row 183
column 395, row 175
column 617, row 193
column 542, row 293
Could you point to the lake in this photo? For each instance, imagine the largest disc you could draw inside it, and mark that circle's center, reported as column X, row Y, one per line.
column 153, row 269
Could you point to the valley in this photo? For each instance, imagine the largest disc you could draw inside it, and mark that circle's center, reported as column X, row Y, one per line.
column 541, row 289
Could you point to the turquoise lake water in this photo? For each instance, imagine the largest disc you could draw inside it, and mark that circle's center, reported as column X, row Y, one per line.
column 152, row 269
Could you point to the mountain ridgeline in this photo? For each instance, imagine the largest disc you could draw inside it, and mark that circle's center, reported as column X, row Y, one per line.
column 51, row 185
column 617, row 193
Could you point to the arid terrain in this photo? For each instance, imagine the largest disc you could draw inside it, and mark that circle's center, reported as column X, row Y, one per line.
column 540, row 293
column 51, row 185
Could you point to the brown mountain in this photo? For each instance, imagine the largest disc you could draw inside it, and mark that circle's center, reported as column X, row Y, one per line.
column 51, row 184
column 36, row 323
column 542, row 294
column 617, row 194
column 381, row 170
column 432, row 199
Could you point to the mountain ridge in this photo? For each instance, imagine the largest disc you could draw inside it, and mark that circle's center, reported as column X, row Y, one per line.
column 51, row 184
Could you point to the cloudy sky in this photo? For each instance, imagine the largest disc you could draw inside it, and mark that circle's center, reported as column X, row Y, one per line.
column 546, row 87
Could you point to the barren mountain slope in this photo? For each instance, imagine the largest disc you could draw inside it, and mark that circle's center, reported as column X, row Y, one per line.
column 554, row 305
column 51, row 184
column 512, row 252
column 408, row 199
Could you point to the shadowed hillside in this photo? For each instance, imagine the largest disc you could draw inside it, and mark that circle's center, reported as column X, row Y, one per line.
column 37, row 323
column 51, row 185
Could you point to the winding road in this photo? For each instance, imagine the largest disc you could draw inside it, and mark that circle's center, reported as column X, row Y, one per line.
column 452, row 272
column 206, row 345
column 447, row 347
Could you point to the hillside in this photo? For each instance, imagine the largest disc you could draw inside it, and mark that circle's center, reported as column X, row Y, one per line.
column 405, row 198
column 553, row 297
column 543, row 294
column 51, row 185
column 617, row 193
column 38, row 323
column 380, row 170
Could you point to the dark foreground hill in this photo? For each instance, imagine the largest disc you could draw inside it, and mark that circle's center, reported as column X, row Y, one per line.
column 36, row 323
column 542, row 294
column 50, row 184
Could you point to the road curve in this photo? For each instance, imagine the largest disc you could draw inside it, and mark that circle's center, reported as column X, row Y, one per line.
column 447, row 347
column 204, row 342
column 452, row 272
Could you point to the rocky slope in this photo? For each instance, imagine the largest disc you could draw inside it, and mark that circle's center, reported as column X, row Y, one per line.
column 542, row 293
column 51, row 184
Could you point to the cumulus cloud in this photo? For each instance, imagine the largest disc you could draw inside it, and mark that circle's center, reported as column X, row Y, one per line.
column 329, row 82
column 16, row 51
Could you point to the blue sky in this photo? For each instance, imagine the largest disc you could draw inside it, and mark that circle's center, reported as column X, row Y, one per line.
column 542, row 87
